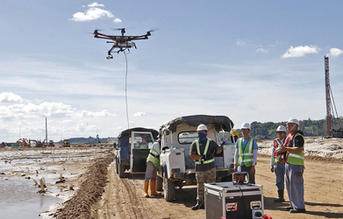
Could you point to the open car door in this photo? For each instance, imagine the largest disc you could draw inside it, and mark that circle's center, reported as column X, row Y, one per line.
column 141, row 143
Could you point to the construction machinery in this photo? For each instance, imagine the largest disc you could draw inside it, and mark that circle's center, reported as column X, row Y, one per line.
column 331, row 110
column 66, row 143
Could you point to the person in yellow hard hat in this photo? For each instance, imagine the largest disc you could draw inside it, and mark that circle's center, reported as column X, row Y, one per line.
column 234, row 135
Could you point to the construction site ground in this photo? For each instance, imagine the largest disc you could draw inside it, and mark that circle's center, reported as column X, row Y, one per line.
column 123, row 198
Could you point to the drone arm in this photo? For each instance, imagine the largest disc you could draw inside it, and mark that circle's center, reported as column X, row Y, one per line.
column 102, row 37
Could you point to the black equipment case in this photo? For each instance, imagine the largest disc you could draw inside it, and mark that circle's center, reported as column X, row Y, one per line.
column 228, row 200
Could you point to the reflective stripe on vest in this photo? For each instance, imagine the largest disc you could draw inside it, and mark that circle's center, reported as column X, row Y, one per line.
column 153, row 157
column 246, row 156
column 296, row 158
column 202, row 161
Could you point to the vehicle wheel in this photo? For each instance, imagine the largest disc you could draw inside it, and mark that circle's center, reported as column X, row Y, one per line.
column 159, row 184
column 168, row 189
column 121, row 170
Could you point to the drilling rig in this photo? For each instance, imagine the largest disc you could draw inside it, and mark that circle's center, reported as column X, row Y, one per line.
column 331, row 110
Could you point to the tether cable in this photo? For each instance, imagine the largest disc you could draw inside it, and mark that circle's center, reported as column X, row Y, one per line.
column 126, row 102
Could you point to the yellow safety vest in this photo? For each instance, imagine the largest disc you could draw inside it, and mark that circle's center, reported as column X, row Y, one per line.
column 246, row 156
column 296, row 158
column 203, row 161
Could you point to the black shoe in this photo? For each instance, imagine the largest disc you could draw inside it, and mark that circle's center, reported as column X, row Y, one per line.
column 280, row 199
column 298, row 210
column 198, row 205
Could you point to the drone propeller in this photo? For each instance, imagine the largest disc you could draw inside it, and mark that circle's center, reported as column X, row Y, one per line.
column 96, row 31
column 122, row 30
column 150, row 31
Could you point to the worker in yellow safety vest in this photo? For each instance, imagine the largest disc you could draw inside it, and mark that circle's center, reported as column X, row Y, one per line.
column 294, row 146
column 246, row 153
column 152, row 164
column 202, row 151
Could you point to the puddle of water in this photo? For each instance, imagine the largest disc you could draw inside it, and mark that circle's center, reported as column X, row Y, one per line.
column 19, row 199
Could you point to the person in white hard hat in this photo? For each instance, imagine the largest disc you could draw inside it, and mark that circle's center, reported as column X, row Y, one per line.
column 202, row 151
column 294, row 146
column 277, row 161
column 246, row 153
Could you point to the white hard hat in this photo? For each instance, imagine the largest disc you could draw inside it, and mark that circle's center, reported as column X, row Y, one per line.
column 245, row 125
column 202, row 127
column 281, row 128
column 295, row 121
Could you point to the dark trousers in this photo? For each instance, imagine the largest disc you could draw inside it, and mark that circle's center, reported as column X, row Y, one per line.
column 280, row 176
column 251, row 176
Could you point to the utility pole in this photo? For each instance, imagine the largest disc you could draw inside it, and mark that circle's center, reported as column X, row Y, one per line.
column 46, row 130
column 328, row 97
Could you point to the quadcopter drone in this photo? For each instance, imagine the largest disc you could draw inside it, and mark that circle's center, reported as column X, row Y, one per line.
column 121, row 42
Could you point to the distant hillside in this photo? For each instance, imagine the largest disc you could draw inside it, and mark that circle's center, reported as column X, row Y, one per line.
column 310, row 127
column 90, row 140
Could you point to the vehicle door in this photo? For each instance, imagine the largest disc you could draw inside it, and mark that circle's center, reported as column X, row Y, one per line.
column 141, row 142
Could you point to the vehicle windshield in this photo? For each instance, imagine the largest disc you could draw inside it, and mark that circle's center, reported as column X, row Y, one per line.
column 187, row 137
column 142, row 141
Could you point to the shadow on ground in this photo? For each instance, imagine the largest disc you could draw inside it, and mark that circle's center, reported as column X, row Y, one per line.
column 270, row 205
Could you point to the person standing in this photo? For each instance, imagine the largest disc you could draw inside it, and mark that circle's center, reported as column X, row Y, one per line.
column 246, row 153
column 152, row 164
column 294, row 146
column 277, row 162
column 202, row 151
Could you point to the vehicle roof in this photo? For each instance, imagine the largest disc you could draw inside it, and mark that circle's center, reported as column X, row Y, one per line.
column 127, row 133
column 219, row 122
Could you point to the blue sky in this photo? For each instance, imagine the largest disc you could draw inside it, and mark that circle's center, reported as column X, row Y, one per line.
column 250, row 60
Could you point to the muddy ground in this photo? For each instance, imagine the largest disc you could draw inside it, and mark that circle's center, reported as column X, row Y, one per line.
column 20, row 168
column 123, row 198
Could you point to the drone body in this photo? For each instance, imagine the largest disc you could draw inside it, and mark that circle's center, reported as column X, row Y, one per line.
column 121, row 42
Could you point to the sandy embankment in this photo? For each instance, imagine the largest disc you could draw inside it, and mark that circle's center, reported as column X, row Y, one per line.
column 315, row 147
column 89, row 192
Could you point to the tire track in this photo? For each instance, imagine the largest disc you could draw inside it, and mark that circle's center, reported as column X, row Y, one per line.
column 134, row 201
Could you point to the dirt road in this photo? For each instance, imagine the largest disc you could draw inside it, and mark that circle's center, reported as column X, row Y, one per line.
column 323, row 195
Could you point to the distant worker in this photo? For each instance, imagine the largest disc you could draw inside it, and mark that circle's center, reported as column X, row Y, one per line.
column 277, row 162
column 294, row 146
column 152, row 164
column 234, row 135
column 246, row 153
column 202, row 151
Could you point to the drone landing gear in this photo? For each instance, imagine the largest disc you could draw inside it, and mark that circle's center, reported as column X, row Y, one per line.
column 109, row 57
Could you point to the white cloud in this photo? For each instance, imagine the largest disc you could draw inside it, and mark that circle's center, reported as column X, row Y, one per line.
column 91, row 14
column 63, row 119
column 117, row 20
column 261, row 50
column 139, row 114
column 300, row 51
column 103, row 113
column 240, row 43
column 8, row 97
column 335, row 52
column 96, row 4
